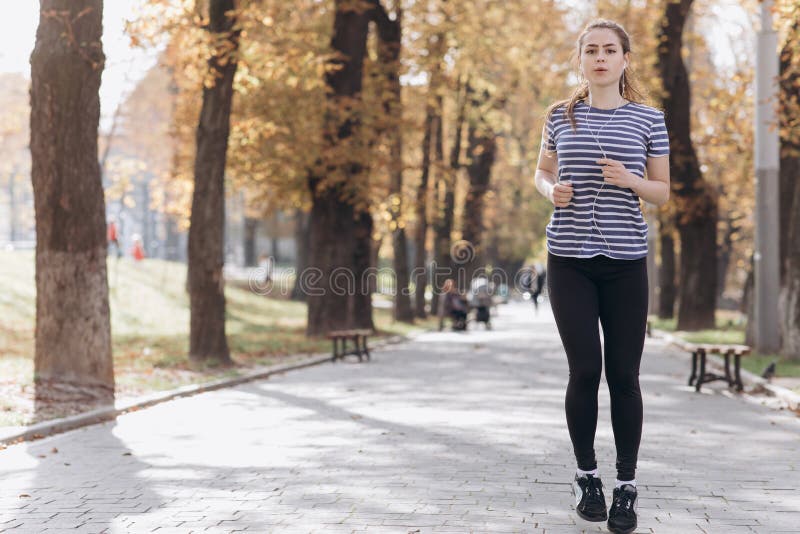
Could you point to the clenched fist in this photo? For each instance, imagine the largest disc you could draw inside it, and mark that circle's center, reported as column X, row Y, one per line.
column 561, row 194
column 615, row 173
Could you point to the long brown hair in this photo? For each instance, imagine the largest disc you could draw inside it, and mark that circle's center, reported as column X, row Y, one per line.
column 629, row 89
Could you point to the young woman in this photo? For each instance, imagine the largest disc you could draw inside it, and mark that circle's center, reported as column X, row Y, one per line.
column 596, row 147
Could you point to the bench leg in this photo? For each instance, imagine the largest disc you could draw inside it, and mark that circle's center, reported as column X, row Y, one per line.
column 363, row 351
column 702, row 371
column 358, row 350
column 694, row 368
column 728, row 369
column 335, row 351
column 737, row 364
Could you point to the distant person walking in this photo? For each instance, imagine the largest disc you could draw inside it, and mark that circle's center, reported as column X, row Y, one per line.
column 595, row 149
column 113, row 237
column 137, row 250
column 537, row 286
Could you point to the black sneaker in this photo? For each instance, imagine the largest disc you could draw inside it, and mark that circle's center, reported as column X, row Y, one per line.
column 590, row 503
column 622, row 516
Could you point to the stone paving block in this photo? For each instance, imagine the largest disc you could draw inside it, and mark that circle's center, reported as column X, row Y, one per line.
column 28, row 515
column 57, row 530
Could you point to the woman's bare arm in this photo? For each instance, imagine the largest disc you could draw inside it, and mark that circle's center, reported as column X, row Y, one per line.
column 656, row 188
column 546, row 178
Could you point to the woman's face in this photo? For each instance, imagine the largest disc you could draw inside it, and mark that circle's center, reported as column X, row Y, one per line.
column 602, row 58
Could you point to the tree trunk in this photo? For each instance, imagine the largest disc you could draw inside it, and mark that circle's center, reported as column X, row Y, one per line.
column 390, row 32
column 207, row 340
column 301, row 243
column 790, row 298
column 274, row 246
column 363, row 263
column 341, row 234
column 432, row 134
column 448, row 255
column 725, row 251
column 73, row 332
column 697, row 204
column 789, row 175
column 444, row 188
column 666, row 271
column 481, row 147
column 275, row 239
column 250, row 228
column 172, row 241
column 421, row 229
column 790, row 197
column 789, row 145
column 330, row 306
column 748, row 307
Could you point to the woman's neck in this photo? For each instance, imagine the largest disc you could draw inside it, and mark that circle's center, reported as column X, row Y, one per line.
column 607, row 97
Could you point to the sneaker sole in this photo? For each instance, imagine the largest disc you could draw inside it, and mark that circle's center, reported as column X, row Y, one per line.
column 620, row 530
column 593, row 519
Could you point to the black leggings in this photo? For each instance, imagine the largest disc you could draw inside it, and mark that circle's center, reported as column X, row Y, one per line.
column 615, row 291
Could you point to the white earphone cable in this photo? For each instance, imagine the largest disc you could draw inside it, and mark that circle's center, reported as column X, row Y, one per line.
column 602, row 151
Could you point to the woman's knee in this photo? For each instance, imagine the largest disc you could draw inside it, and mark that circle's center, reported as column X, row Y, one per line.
column 623, row 380
column 586, row 377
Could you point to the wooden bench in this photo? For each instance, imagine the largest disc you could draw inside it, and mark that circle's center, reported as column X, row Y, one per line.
column 359, row 338
column 699, row 374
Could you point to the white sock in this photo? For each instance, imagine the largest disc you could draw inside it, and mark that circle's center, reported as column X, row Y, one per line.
column 593, row 472
column 621, row 482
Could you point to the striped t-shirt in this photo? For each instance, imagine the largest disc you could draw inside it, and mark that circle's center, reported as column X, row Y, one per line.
column 614, row 226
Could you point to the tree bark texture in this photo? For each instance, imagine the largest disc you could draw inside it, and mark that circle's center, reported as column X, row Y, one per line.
column 73, row 332
column 445, row 200
column 301, row 239
column 666, row 274
column 431, row 135
column 341, row 235
column 421, row 228
column 390, row 47
column 790, row 200
column 481, row 148
column 207, row 339
column 729, row 228
column 696, row 219
column 790, row 294
column 250, row 230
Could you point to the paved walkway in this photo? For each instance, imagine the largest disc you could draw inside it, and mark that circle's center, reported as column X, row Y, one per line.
column 450, row 432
